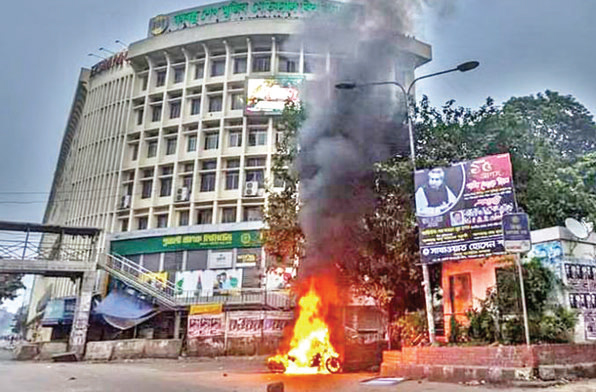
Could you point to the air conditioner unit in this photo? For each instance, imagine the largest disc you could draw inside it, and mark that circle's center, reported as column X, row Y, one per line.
column 125, row 202
column 182, row 194
column 251, row 188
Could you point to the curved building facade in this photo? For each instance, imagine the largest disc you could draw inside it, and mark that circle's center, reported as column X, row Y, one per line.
column 160, row 152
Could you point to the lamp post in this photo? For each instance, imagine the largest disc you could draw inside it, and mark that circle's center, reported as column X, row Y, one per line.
column 464, row 67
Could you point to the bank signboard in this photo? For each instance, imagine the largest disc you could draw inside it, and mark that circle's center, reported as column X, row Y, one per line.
column 197, row 241
column 459, row 208
column 240, row 10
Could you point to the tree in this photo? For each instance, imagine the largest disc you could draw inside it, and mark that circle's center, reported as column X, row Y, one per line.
column 9, row 284
column 283, row 237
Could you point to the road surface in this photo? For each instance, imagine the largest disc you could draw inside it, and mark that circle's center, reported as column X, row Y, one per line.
column 209, row 375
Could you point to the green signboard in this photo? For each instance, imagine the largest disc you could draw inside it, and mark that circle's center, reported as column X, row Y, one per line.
column 241, row 10
column 197, row 241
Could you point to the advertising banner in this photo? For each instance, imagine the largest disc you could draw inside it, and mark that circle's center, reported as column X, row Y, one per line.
column 276, row 322
column 205, row 309
column 268, row 96
column 459, row 208
column 245, row 324
column 206, row 325
column 219, row 260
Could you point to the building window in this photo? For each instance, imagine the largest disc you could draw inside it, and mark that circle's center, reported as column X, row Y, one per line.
column 144, row 81
column 237, row 101
column 161, row 78
column 199, row 70
column 257, row 137
column 207, row 182
column 218, row 67
column 151, row 148
column 232, row 163
column 191, row 143
column 178, row 75
column 170, row 146
column 255, row 162
column 204, row 216
column 156, row 113
column 215, row 103
column 162, row 220
column 124, row 225
column 252, row 214
column 175, row 109
column 232, row 179
column 209, row 165
column 261, row 63
column 211, row 140
column 142, row 222
column 134, row 151
column 228, row 215
column 235, row 139
column 288, row 64
column 146, row 191
column 166, row 187
column 240, row 65
column 256, row 175
column 187, row 182
column 195, row 106
column 140, row 113
column 183, row 218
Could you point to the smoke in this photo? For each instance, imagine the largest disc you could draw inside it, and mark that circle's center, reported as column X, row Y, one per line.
column 347, row 131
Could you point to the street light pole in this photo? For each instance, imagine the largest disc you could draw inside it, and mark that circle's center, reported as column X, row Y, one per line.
column 467, row 66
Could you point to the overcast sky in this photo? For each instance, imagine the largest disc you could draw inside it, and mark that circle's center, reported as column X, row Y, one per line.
column 524, row 46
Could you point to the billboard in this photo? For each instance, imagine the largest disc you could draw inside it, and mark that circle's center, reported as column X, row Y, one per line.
column 459, row 208
column 268, row 96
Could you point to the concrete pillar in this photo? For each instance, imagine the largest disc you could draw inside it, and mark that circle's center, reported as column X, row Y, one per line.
column 80, row 323
column 177, row 317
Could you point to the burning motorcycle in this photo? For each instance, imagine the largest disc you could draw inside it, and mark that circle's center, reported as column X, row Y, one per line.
column 318, row 363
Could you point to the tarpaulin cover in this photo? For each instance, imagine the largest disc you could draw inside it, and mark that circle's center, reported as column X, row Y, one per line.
column 123, row 310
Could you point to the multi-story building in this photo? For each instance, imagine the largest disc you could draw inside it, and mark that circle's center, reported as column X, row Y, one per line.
column 160, row 153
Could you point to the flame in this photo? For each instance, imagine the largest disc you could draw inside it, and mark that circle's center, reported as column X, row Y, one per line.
column 311, row 351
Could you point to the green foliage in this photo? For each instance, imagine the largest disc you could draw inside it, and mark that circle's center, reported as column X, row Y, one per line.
column 409, row 330
column 9, row 284
column 499, row 317
column 283, row 237
column 548, row 136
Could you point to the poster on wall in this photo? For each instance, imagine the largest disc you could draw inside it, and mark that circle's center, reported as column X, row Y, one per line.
column 279, row 278
column 221, row 282
column 276, row 322
column 188, row 283
column 459, row 208
column 580, row 280
column 156, row 279
column 245, row 324
column 205, row 325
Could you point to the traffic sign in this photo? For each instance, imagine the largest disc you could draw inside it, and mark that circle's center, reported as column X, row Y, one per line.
column 516, row 233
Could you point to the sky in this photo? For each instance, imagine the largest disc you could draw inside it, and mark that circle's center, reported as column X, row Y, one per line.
column 524, row 47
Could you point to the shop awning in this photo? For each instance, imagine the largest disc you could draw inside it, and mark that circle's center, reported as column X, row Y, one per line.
column 123, row 310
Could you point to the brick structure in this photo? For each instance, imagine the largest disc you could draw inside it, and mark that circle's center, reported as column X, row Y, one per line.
column 492, row 364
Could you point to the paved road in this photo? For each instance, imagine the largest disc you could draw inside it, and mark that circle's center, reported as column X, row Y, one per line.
column 226, row 374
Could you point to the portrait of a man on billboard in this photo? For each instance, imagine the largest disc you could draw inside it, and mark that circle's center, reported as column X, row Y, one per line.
column 436, row 193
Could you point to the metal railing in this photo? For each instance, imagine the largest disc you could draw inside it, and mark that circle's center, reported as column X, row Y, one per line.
column 149, row 282
column 45, row 250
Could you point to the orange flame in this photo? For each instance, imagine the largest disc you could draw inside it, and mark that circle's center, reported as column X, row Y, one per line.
column 311, row 351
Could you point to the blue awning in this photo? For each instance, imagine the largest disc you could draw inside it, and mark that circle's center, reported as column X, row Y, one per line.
column 123, row 310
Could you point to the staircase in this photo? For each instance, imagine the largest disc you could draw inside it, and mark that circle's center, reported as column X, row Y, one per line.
column 138, row 278
column 170, row 297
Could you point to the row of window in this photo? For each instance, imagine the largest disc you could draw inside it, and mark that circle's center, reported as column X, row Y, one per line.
column 203, row 217
column 260, row 63
column 215, row 104
column 256, row 137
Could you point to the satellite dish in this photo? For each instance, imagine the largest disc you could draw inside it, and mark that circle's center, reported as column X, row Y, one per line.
column 577, row 228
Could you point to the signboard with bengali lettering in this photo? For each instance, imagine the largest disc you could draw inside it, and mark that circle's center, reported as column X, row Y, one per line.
column 459, row 208
column 172, row 243
column 230, row 11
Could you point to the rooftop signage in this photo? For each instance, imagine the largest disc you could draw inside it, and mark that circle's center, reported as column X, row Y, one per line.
column 110, row 62
column 239, row 10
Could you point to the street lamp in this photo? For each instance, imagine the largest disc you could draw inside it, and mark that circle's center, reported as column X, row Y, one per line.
column 464, row 67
